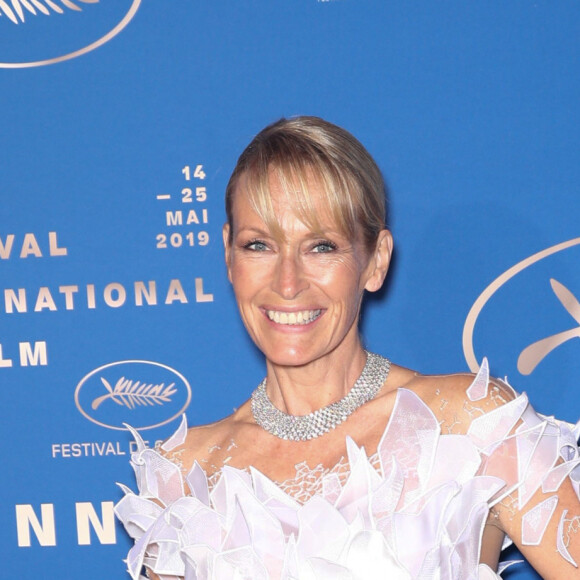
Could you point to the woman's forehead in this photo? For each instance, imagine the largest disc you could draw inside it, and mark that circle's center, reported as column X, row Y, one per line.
column 287, row 211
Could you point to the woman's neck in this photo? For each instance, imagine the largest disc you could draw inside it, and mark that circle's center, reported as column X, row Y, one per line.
column 299, row 390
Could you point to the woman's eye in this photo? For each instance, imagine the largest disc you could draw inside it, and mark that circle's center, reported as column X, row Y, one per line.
column 324, row 247
column 256, row 246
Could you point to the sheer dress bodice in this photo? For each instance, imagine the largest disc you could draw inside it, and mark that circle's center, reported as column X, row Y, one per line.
column 415, row 509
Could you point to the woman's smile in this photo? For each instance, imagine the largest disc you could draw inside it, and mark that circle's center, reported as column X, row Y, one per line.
column 299, row 318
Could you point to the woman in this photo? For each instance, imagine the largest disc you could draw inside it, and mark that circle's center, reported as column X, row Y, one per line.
column 343, row 465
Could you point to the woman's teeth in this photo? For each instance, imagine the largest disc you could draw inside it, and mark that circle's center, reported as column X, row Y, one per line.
column 302, row 317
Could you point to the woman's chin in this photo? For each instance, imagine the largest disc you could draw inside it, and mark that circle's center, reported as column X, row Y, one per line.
column 290, row 358
column 298, row 356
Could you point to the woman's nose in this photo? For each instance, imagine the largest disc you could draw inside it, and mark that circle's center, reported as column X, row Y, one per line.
column 289, row 279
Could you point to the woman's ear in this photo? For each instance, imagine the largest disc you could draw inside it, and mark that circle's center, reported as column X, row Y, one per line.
column 379, row 261
column 227, row 249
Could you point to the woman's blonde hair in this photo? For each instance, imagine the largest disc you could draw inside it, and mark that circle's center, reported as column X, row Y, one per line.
column 304, row 150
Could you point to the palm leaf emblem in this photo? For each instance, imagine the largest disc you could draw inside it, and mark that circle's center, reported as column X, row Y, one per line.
column 131, row 394
column 16, row 10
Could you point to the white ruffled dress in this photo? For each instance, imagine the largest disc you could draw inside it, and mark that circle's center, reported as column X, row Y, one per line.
column 414, row 510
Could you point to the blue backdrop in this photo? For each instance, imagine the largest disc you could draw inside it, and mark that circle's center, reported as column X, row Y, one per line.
column 120, row 123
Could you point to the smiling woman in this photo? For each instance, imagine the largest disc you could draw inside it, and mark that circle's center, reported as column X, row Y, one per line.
column 342, row 464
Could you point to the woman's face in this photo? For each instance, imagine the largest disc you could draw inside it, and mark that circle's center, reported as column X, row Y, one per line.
column 299, row 295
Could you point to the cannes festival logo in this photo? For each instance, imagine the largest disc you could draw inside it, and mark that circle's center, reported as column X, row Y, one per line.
column 141, row 393
column 533, row 354
column 539, row 347
column 74, row 28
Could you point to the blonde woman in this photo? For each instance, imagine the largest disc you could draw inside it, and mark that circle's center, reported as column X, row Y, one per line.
column 342, row 464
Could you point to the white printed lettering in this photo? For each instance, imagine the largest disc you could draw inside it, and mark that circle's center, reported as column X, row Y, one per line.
column 4, row 362
column 104, row 528
column 44, row 300
column 116, row 288
column 113, row 295
column 91, row 296
column 175, row 292
column 11, row 301
column 103, row 449
column 192, row 217
column 30, row 247
column 200, row 296
column 149, row 294
column 6, row 247
column 174, row 218
column 68, row 292
column 53, row 246
column 26, row 518
column 34, row 357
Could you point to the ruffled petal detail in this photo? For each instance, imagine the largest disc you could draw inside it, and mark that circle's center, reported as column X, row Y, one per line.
column 178, row 438
column 414, row 511
column 480, row 385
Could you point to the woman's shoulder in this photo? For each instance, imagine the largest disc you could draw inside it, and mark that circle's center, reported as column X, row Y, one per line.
column 206, row 443
column 459, row 398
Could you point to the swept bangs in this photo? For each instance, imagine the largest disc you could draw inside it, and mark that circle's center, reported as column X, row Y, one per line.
column 303, row 152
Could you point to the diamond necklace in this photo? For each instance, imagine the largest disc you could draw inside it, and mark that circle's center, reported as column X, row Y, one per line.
column 321, row 421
